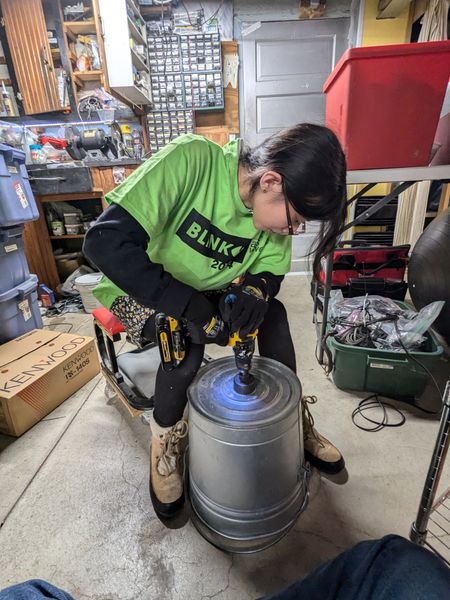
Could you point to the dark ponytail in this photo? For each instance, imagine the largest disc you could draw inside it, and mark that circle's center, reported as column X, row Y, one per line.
column 312, row 165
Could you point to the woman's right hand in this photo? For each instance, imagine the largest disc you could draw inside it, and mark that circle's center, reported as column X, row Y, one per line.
column 204, row 324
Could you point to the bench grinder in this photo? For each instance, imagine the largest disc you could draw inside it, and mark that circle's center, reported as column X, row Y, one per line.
column 247, row 478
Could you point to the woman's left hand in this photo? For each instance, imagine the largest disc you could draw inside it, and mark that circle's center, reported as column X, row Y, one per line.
column 245, row 312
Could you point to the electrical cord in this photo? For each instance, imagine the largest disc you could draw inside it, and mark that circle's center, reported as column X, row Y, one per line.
column 216, row 12
column 374, row 402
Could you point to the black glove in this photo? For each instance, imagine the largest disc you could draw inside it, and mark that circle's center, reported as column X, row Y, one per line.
column 245, row 312
column 204, row 324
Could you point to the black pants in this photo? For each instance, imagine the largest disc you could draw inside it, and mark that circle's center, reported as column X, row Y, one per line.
column 274, row 341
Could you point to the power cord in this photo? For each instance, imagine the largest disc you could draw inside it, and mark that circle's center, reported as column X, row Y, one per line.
column 374, row 402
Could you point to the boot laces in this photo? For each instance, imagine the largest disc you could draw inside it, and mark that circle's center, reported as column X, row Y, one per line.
column 308, row 419
column 170, row 451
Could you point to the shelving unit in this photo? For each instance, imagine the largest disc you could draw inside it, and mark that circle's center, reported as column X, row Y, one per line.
column 405, row 178
column 190, row 66
column 128, row 70
column 90, row 26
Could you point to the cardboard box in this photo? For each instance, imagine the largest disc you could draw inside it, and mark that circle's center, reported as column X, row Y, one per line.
column 38, row 371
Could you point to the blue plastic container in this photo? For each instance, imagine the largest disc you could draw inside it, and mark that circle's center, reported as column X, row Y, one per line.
column 17, row 203
column 19, row 310
column 13, row 262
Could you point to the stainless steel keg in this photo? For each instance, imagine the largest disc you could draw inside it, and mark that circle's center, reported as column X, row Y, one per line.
column 247, row 480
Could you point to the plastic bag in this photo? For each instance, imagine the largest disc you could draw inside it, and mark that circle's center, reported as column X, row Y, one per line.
column 68, row 287
column 375, row 321
column 410, row 328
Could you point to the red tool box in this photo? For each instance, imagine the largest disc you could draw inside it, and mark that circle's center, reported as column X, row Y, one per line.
column 361, row 269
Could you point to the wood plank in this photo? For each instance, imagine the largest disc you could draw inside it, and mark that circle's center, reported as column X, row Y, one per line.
column 96, row 193
column 444, row 200
column 155, row 11
column 39, row 252
column 404, row 215
column 220, row 134
column 419, row 212
column 80, row 27
column 101, row 44
column 26, row 32
column 88, row 75
column 74, row 236
column 103, row 178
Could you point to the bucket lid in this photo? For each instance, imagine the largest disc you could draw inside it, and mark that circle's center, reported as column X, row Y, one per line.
column 89, row 279
column 277, row 393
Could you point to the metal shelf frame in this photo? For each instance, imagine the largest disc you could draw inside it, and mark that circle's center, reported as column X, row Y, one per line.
column 405, row 177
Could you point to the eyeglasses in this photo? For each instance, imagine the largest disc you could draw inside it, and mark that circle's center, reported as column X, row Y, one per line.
column 300, row 228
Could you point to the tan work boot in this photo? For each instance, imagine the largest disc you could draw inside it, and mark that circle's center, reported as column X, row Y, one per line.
column 319, row 451
column 166, row 467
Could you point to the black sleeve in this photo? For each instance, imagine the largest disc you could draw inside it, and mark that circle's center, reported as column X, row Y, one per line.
column 117, row 245
column 268, row 282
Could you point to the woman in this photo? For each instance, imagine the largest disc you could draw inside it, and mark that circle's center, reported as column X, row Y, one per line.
column 190, row 221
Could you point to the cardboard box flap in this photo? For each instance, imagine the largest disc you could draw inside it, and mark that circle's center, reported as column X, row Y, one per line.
column 49, row 352
column 25, row 344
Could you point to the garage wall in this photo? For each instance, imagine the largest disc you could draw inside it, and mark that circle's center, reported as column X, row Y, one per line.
column 287, row 10
column 377, row 32
column 268, row 10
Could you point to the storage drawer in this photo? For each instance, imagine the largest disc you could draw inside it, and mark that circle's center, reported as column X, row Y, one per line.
column 47, row 181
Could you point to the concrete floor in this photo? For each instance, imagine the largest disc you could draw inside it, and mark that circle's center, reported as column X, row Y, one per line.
column 75, row 508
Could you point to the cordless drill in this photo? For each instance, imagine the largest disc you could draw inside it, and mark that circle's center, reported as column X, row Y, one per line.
column 244, row 348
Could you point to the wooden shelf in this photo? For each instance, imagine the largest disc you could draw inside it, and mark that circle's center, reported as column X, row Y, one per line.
column 138, row 62
column 135, row 33
column 74, row 28
column 94, row 194
column 75, row 236
column 155, row 11
column 81, row 76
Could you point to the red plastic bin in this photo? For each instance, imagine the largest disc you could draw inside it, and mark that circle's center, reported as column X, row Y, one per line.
column 383, row 103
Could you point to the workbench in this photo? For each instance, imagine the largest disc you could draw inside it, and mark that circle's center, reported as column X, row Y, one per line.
column 405, row 178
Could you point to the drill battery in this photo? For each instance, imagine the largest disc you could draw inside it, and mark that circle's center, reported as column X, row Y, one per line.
column 171, row 338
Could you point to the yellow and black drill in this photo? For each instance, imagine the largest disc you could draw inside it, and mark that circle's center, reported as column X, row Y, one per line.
column 244, row 348
column 170, row 335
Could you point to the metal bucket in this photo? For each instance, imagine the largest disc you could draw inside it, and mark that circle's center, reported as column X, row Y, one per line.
column 247, row 479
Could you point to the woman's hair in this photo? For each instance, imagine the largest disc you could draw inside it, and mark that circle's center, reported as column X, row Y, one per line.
column 312, row 165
